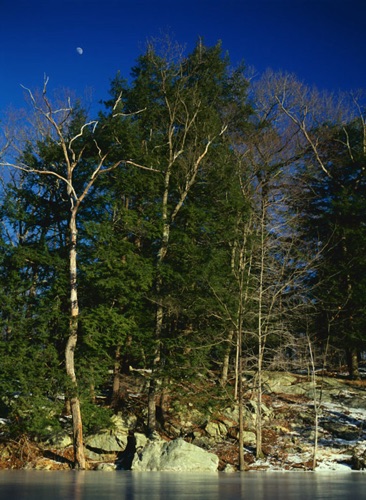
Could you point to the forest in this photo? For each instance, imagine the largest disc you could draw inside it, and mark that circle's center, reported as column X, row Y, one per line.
column 205, row 223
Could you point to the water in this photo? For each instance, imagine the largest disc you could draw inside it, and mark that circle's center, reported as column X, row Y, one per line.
column 69, row 485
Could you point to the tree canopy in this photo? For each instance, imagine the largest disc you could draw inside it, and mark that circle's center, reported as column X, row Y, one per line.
column 215, row 220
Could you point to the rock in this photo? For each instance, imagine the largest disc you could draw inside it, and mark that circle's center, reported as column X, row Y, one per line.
column 249, row 438
column 342, row 431
column 253, row 408
column 301, row 389
column 44, row 465
column 106, row 467
column 277, row 382
column 217, row 430
column 141, row 440
column 107, row 441
column 60, row 441
column 98, row 456
column 115, row 440
column 229, row 468
column 204, row 442
column 229, row 422
column 230, row 416
column 177, row 455
column 124, row 424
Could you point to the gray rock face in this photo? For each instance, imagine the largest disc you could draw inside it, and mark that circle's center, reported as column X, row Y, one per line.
column 177, row 455
column 216, row 430
column 107, row 442
column 115, row 440
column 341, row 430
column 277, row 381
column 61, row 441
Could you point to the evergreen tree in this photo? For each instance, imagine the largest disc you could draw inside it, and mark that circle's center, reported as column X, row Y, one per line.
column 335, row 213
column 66, row 152
column 190, row 104
column 32, row 317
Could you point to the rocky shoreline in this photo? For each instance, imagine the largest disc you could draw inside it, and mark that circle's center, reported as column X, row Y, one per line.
column 191, row 438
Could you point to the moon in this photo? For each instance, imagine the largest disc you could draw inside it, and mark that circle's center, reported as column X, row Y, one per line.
column 79, row 50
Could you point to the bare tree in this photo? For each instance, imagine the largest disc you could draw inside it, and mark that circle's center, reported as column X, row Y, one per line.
column 52, row 124
column 277, row 267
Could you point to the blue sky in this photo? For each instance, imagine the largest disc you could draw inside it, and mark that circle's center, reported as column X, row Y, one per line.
column 322, row 41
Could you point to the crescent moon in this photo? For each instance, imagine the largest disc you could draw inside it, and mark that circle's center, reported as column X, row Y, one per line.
column 79, row 50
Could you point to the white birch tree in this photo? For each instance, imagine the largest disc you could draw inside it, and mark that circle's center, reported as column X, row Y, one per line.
column 53, row 127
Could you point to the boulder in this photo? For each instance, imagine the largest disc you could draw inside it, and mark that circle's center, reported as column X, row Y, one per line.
column 277, row 382
column 115, row 440
column 216, row 430
column 107, row 441
column 229, row 468
column 60, row 441
column 176, row 455
column 249, row 438
column 123, row 423
column 342, row 430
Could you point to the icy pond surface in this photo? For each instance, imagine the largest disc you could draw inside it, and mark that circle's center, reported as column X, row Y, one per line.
column 69, row 485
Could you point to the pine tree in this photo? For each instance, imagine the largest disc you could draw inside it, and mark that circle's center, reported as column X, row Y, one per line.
column 334, row 216
column 33, row 284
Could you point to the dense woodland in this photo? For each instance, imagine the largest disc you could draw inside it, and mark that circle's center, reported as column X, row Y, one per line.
column 206, row 222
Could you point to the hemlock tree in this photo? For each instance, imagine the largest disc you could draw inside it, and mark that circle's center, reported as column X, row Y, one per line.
column 191, row 103
column 333, row 133
column 334, row 214
column 67, row 150
column 32, row 281
column 116, row 279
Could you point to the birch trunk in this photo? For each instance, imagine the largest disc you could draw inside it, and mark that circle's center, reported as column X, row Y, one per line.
column 116, row 378
column 159, row 318
column 241, row 402
column 261, row 338
column 226, row 361
column 316, row 402
column 352, row 360
column 77, row 427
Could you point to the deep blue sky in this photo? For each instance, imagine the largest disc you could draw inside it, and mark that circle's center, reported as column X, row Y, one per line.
column 322, row 41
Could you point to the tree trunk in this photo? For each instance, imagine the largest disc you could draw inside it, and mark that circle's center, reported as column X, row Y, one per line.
column 152, row 394
column 316, row 402
column 226, row 362
column 151, row 408
column 116, row 378
column 259, row 451
column 151, row 418
column 237, row 359
column 261, row 332
column 352, row 361
column 241, row 402
column 77, row 427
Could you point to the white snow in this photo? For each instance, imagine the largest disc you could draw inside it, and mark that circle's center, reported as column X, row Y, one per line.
column 333, row 454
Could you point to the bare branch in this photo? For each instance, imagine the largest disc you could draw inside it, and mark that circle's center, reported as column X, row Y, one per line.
column 301, row 123
column 80, row 134
column 133, row 113
column 41, row 172
column 118, row 100
column 150, row 169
